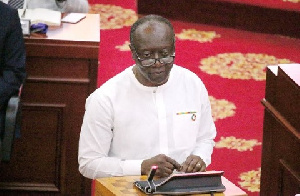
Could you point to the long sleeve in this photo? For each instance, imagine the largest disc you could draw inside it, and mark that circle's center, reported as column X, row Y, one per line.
column 95, row 142
column 207, row 130
column 12, row 57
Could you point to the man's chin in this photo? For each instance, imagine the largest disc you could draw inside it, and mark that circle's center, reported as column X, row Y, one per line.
column 158, row 82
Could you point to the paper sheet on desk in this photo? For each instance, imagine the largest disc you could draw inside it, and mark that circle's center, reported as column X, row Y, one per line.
column 73, row 17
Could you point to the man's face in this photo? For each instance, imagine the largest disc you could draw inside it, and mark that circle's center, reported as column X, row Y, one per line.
column 153, row 40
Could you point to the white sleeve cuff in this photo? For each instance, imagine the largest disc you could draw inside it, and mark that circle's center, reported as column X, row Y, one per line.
column 132, row 167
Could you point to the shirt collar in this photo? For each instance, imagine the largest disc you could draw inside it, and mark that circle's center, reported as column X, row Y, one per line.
column 151, row 88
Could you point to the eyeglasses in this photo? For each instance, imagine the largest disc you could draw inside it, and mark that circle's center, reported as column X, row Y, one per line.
column 150, row 62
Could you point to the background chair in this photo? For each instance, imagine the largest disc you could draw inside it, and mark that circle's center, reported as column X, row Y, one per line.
column 12, row 124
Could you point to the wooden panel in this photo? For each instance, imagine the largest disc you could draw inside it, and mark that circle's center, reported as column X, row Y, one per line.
column 289, row 180
column 228, row 14
column 288, row 92
column 38, row 151
column 75, row 50
column 271, row 74
column 267, row 164
column 280, row 169
column 281, row 143
column 52, row 68
column 62, row 71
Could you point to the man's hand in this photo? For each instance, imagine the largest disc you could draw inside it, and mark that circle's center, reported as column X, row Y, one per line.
column 165, row 164
column 193, row 163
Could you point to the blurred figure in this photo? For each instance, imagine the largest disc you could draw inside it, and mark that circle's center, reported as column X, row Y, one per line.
column 64, row 6
column 12, row 57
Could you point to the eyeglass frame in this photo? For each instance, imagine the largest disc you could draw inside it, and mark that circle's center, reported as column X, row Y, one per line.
column 155, row 59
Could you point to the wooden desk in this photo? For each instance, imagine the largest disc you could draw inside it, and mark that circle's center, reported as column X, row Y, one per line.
column 122, row 186
column 62, row 72
column 280, row 167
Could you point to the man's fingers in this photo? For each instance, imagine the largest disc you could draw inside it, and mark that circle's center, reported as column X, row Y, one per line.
column 200, row 166
column 197, row 167
column 203, row 168
column 193, row 163
column 192, row 166
column 165, row 164
column 164, row 172
column 175, row 164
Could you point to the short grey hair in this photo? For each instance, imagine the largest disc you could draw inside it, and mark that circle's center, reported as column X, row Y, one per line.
column 151, row 17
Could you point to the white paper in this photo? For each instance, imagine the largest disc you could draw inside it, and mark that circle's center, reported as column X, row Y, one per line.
column 73, row 17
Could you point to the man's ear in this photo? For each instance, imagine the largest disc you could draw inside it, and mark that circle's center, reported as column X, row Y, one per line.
column 131, row 48
column 132, row 52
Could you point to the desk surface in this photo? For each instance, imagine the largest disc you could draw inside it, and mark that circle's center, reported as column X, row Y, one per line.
column 80, row 40
column 87, row 30
column 124, row 186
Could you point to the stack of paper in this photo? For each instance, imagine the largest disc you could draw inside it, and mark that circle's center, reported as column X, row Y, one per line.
column 41, row 15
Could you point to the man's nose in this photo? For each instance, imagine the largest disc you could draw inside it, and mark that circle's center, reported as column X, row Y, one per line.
column 157, row 63
column 157, row 60
column 156, row 55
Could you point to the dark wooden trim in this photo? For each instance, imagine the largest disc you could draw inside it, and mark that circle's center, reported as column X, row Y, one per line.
column 28, row 186
column 227, row 14
column 288, row 168
column 281, row 119
column 66, row 51
column 58, row 80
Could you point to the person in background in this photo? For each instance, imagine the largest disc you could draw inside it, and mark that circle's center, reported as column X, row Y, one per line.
column 64, row 6
column 153, row 113
column 12, row 57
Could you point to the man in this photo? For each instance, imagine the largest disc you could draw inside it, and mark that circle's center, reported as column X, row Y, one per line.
column 12, row 57
column 64, row 6
column 153, row 113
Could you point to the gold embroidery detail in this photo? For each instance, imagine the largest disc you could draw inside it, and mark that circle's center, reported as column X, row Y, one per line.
column 237, row 144
column 239, row 66
column 124, row 47
column 112, row 16
column 221, row 108
column 195, row 35
column 251, row 180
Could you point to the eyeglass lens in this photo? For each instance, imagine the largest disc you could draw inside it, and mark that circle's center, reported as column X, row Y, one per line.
column 149, row 62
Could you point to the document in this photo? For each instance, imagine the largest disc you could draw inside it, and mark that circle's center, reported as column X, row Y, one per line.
column 73, row 18
column 41, row 15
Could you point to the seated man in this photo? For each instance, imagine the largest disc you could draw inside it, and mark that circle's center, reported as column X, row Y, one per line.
column 12, row 57
column 153, row 113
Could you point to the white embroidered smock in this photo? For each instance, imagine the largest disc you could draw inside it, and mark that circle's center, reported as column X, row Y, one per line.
column 126, row 122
